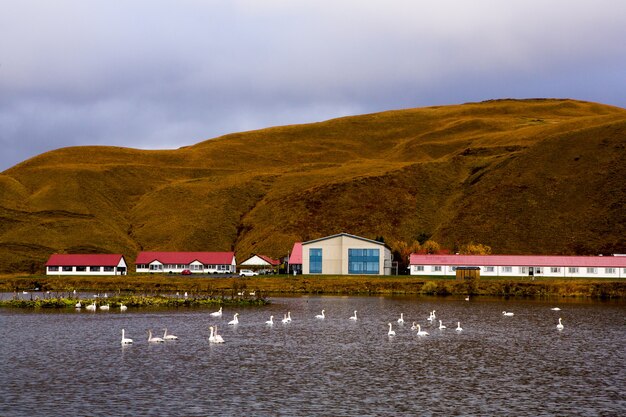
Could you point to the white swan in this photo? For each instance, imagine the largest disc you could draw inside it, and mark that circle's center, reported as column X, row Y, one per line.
column 126, row 340
column 401, row 319
column 91, row 307
column 431, row 316
column 104, row 307
column 270, row 322
column 123, row 307
column 235, row 320
column 252, row 293
column 154, row 339
column 508, row 314
column 285, row 319
column 420, row 332
column 354, row 317
column 169, row 336
column 414, row 326
column 560, row 325
column 78, row 305
column 217, row 313
column 289, row 316
column 458, row 326
column 441, row 326
column 555, row 309
column 185, row 294
column 321, row 316
column 467, row 298
column 391, row 332
column 213, row 337
column 218, row 338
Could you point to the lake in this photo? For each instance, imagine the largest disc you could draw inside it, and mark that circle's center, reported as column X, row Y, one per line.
column 72, row 363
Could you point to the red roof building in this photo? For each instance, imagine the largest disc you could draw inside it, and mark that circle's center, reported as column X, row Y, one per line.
column 295, row 259
column 86, row 264
column 521, row 265
column 177, row 262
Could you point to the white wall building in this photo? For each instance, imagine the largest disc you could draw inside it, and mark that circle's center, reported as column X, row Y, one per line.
column 195, row 262
column 86, row 264
column 521, row 265
column 345, row 254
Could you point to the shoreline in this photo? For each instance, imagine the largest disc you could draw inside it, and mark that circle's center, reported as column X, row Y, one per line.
column 223, row 287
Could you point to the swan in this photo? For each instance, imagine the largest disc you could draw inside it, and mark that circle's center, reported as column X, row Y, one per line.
column 270, row 321
column 508, row 314
column 289, row 317
column 217, row 313
column 420, row 332
column 123, row 307
column 253, row 293
column 185, row 294
column 560, row 325
column 467, row 298
column 214, row 337
column 126, row 340
column 401, row 319
column 441, row 326
column 91, row 307
column 354, row 317
column 321, row 316
column 555, row 309
column 458, row 326
column 431, row 316
column 391, row 332
column 78, row 305
column 218, row 338
column 235, row 320
column 169, row 336
column 414, row 326
column 104, row 307
column 434, row 317
column 24, row 292
column 154, row 339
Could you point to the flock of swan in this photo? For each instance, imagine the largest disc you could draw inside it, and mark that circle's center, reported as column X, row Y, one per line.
column 215, row 337
column 94, row 307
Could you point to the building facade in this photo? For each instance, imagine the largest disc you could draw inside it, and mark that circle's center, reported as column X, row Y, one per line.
column 345, row 254
column 261, row 262
column 521, row 265
column 86, row 264
column 177, row 262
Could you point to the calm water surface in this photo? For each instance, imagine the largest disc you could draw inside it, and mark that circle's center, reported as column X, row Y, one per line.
column 72, row 363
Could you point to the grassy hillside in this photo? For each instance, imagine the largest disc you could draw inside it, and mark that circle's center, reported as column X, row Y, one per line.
column 529, row 176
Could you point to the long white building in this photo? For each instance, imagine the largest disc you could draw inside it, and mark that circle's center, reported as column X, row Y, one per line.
column 521, row 265
column 177, row 262
column 86, row 264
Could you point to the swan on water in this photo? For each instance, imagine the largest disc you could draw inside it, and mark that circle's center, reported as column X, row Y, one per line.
column 354, row 317
column 285, row 319
column 421, row 332
column 414, row 326
column 467, row 298
column 217, row 313
column 441, row 326
column 78, row 305
column 126, row 340
column 235, row 320
column 123, row 307
column 321, row 316
column 555, row 309
column 169, row 336
column 391, row 332
column 218, row 338
column 509, row 314
column 104, row 307
column 270, row 321
column 91, row 307
column 458, row 326
column 431, row 316
column 289, row 317
column 213, row 338
column 401, row 319
column 560, row 325
column 154, row 339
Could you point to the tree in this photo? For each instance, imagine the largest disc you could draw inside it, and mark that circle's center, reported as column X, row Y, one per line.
column 474, row 249
column 430, row 246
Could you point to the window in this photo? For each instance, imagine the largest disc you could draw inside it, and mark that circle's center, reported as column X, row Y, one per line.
column 555, row 270
column 315, row 261
column 419, row 268
column 610, row 270
column 489, row 269
column 364, row 261
column 196, row 267
column 94, row 269
column 53, row 268
column 453, row 268
column 572, row 270
column 437, row 268
column 592, row 270
column 67, row 269
column 108, row 268
column 156, row 267
column 142, row 266
column 507, row 269
column 523, row 270
column 538, row 270
column 81, row 268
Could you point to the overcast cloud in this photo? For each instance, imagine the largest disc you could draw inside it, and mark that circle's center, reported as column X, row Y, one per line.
column 163, row 74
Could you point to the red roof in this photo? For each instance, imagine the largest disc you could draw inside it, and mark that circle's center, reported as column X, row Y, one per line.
column 84, row 260
column 207, row 258
column 269, row 260
column 519, row 260
column 296, row 254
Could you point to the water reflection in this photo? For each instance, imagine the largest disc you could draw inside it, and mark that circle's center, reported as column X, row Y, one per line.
column 73, row 363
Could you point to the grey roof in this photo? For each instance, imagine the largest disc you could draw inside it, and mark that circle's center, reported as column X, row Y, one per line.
column 345, row 234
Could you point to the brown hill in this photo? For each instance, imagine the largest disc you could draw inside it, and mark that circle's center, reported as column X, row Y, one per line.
column 529, row 176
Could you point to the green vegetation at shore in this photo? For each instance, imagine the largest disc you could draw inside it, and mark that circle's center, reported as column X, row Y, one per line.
column 218, row 290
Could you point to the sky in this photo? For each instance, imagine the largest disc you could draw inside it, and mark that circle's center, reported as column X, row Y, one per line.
column 157, row 74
